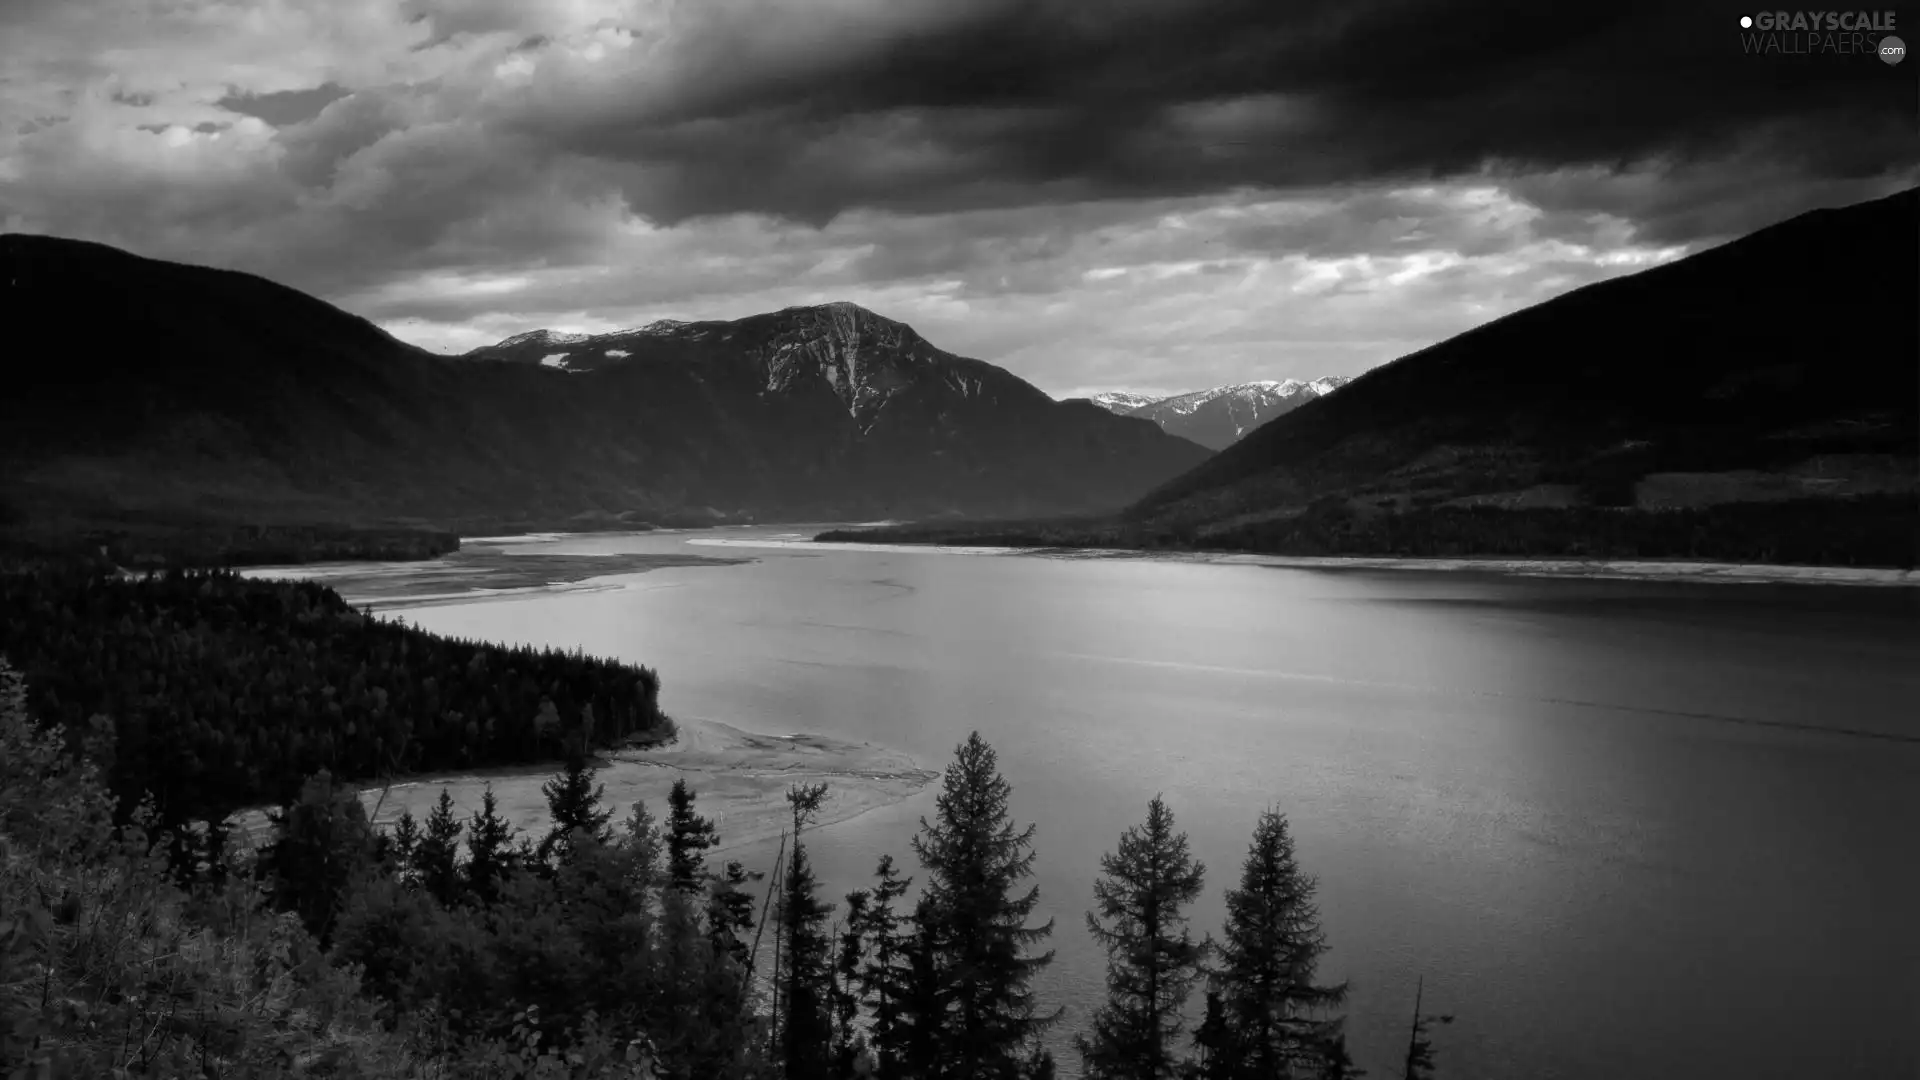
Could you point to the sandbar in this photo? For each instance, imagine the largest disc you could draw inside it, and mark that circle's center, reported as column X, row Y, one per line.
column 739, row 778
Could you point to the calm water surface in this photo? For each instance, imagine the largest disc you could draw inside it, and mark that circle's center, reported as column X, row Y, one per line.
column 1622, row 829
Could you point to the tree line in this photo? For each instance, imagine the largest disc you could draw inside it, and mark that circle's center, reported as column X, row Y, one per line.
column 1864, row 530
column 226, row 692
column 159, row 545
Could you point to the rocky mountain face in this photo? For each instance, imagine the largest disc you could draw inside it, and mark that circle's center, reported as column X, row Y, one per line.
column 865, row 361
column 1220, row 417
column 189, row 394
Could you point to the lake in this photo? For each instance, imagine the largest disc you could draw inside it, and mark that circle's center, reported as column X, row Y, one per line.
column 1620, row 828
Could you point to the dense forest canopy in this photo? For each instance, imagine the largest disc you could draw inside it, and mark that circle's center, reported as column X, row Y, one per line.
column 225, row 692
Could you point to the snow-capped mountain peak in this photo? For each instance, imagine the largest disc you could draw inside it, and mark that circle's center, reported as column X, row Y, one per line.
column 1219, row 416
column 1120, row 401
column 545, row 337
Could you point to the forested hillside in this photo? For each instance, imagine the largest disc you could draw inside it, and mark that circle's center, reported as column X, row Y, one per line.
column 608, row 947
column 224, row 692
column 1672, row 413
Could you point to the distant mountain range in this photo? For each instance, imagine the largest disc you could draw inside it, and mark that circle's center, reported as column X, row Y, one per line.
column 1757, row 401
column 1222, row 416
column 141, row 391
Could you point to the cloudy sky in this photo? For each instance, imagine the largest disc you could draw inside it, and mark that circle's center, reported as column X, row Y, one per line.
column 1147, row 194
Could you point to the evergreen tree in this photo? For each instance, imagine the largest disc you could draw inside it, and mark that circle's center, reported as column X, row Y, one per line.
column 641, row 836
column 730, row 913
column 401, row 845
column 681, row 960
column 921, row 1013
column 1211, row 1039
column 688, row 838
column 320, row 844
column 435, row 863
column 1152, row 959
column 852, row 949
column 884, row 981
column 573, row 800
column 973, row 926
column 806, row 1028
column 1276, row 1016
column 490, row 855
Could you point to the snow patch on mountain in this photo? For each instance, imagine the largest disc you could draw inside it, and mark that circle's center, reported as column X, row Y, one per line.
column 1123, row 401
column 1221, row 415
column 545, row 337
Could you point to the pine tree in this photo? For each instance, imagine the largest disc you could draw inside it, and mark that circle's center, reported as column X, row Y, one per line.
column 1211, row 1039
column 680, row 963
column 884, row 981
column 1152, row 959
column 1276, row 1016
column 805, row 1023
column 641, row 836
column 852, row 949
column 688, row 838
column 435, row 863
column 401, row 845
column 973, row 927
column 921, row 1010
column 573, row 800
column 730, row 913
column 490, row 855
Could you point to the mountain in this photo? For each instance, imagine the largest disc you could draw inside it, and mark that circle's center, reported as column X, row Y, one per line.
column 1778, row 366
column 1756, row 402
column 141, row 390
column 1220, row 417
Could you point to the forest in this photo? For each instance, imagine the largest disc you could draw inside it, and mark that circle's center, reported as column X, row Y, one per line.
column 132, row 707
column 177, row 544
column 1876, row 530
column 225, row 692
column 609, row 946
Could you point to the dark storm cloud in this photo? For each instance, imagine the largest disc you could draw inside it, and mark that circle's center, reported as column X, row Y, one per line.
column 285, row 107
column 1000, row 102
column 1160, row 194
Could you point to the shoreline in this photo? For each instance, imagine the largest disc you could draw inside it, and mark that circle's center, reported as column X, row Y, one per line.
column 478, row 573
column 739, row 779
column 1679, row 571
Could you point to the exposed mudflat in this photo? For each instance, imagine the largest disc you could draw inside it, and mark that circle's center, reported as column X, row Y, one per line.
column 740, row 779
column 479, row 571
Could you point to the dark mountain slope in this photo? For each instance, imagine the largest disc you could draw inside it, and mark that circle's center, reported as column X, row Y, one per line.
column 139, row 389
column 1787, row 363
column 1758, row 402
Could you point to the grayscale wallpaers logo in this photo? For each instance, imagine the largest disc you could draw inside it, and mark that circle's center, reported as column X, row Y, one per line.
column 1816, row 33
